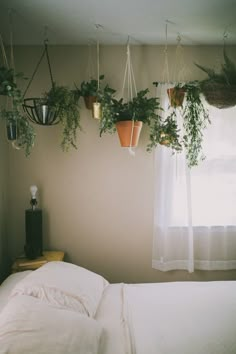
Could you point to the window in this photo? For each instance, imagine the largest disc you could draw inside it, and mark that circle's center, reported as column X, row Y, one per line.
column 195, row 210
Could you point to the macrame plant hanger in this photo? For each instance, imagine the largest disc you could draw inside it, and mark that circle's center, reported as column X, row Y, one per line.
column 11, row 106
column 132, row 128
column 97, row 108
column 39, row 110
column 177, row 93
column 165, row 79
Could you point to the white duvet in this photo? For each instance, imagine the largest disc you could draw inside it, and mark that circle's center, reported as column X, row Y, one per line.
column 182, row 318
column 160, row 318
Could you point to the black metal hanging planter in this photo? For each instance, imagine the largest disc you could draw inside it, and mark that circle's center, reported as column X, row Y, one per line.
column 39, row 110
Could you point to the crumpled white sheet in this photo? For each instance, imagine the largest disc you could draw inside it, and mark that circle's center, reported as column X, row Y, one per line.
column 64, row 285
column 29, row 326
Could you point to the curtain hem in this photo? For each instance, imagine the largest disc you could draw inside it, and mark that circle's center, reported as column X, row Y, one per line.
column 198, row 265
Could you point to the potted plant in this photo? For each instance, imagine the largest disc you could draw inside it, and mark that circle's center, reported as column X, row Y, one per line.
column 64, row 102
column 219, row 88
column 59, row 105
column 195, row 120
column 18, row 129
column 8, row 86
column 167, row 133
column 176, row 95
column 88, row 90
column 119, row 115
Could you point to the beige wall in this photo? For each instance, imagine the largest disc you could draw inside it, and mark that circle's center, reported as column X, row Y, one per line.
column 97, row 201
column 4, row 256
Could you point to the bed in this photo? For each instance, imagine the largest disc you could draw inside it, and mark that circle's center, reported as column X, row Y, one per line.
column 65, row 309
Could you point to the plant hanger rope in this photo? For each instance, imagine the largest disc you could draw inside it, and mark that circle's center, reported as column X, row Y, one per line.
column 40, row 110
column 166, row 74
column 98, row 64
column 131, row 86
column 97, row 109
column 4, row 56
column 179, row 72
column 45, row 52
column 129, row 76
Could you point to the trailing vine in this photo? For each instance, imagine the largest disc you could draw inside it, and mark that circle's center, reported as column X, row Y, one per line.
column 195, row 120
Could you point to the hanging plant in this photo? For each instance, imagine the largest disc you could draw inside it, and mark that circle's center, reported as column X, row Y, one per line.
column 220, row 87
column 176, row 95
column 166, row 133
column 64, row 102
column 18, row 130
column 140, row 109
column 195, row 120
column 88, row 90
column 7, row 81
column 58, row 105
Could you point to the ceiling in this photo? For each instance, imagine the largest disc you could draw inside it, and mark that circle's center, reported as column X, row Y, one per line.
column 154, row 22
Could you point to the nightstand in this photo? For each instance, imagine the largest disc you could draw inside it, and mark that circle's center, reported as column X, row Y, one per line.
column 23, row 263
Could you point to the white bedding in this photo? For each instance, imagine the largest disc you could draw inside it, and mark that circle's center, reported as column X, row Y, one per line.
column 29, row 326
column 160, row 318
column 182, row 318
column 112, row 315
column 7, row 286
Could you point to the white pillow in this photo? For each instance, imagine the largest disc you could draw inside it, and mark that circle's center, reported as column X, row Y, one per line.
column 29, row 326
column 64, row 285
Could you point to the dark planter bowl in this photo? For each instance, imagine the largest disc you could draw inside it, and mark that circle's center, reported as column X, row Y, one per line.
column 39, row 112
column 219, row 95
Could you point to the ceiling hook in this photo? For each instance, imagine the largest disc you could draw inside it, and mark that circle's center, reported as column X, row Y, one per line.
column 178, row 38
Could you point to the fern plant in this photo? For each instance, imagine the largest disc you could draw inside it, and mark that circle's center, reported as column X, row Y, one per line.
column 227, row 74
column 219, row 88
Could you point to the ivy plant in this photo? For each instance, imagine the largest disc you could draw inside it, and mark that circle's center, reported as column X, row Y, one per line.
column 65, row 102
column 195, row 120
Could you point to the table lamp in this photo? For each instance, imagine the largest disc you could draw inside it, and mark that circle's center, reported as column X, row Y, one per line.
column 33, row 227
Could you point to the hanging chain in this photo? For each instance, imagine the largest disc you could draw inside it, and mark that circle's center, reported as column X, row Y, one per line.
column 49, row 65
column 45, row 52
column 36, row 69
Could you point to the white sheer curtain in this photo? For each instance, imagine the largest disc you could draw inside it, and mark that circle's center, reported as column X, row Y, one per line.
column 195, row 210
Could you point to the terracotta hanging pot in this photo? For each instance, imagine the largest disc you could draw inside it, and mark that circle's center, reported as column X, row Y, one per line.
column 176, row 96
column 97, row 110
column 89, row 100
column 129, row 132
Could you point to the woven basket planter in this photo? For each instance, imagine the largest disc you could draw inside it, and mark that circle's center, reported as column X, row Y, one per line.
column 176, row 96
column 219, row 95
